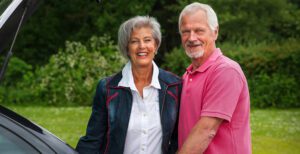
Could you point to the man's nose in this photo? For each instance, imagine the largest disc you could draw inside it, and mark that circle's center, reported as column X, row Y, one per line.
column 192, row 36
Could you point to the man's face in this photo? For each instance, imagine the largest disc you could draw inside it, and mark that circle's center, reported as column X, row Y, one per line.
column 196, row 36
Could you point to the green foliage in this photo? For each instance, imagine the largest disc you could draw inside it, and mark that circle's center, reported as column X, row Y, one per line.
column 253, row 20
column 240, row 21
column 282, row 57
column 176, row 61
column 75, row 20
column 15, row 71
column 272, row 70
column 276, row 90
column 113, row 14
column 257, row 34
column 71, row 75
column 16, row 68
column 51, row 25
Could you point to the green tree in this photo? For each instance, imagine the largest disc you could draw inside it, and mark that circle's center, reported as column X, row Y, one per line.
column 241, row 21
column 51, row 25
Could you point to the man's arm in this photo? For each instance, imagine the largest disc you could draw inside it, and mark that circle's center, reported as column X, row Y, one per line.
column 201, row 135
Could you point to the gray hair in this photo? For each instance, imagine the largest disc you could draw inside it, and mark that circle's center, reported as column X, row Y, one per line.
column 128, row 26
column 212, row 19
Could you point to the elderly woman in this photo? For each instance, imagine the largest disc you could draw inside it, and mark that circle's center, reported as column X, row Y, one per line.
column 135, row 111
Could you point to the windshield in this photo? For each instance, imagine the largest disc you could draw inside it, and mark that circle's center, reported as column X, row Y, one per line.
column 3, row 6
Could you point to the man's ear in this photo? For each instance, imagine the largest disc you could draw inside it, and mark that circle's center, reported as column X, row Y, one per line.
column 216, row 32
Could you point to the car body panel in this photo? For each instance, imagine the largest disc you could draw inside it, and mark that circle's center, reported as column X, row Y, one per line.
column 36, row 136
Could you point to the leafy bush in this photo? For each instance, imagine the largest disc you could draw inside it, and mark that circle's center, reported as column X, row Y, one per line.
column 272, row 70
column 176, row 61
column 71, row 75
column 276, row 90
column 15, row 71
column 282, row 57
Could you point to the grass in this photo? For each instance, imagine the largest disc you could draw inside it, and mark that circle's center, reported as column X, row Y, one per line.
column 273, row 131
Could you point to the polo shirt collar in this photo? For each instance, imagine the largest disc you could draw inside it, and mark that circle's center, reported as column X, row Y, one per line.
column 128, row 81
column 210, row 61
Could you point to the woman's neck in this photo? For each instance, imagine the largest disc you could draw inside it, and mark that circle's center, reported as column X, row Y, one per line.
column 142, row 74
column 142, row 77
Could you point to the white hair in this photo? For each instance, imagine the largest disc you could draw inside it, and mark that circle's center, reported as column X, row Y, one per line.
column 212, row 19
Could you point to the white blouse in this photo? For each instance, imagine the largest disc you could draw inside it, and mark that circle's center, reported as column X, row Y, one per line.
column 144, row 134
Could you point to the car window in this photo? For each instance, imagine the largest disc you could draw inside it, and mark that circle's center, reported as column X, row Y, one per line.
column 13, row 144
column 3, row 5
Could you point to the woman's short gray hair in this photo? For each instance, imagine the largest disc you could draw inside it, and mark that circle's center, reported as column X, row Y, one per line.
column 212, row 19
column 128, row 26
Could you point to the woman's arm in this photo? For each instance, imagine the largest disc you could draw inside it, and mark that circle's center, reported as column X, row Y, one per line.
column 95, row 137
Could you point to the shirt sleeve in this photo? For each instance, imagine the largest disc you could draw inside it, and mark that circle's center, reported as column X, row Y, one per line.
column 221, row 93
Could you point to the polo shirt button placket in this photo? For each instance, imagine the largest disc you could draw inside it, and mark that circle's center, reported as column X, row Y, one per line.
column 189, row 79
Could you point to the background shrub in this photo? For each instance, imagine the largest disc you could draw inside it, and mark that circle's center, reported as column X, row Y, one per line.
column 71, row 75
column 16, row 69
column 176, row 61
column 272, row 70
column 276, row 90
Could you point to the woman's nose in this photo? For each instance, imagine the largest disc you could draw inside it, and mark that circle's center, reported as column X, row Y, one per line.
column 141, row 44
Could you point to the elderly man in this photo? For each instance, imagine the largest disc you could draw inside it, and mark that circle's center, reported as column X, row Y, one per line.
column 215, row 105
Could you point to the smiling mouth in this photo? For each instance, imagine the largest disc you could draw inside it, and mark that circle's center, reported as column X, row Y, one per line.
column 193, row 45
column 142, row 54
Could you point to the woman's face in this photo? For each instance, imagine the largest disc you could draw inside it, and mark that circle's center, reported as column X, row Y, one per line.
column 141, row 47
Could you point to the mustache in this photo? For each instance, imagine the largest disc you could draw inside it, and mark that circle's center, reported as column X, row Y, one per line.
column 193, row 43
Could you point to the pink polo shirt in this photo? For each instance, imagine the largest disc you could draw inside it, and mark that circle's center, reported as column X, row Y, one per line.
column 218, row 88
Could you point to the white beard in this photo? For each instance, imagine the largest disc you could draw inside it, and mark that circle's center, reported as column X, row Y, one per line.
column 195, row 55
